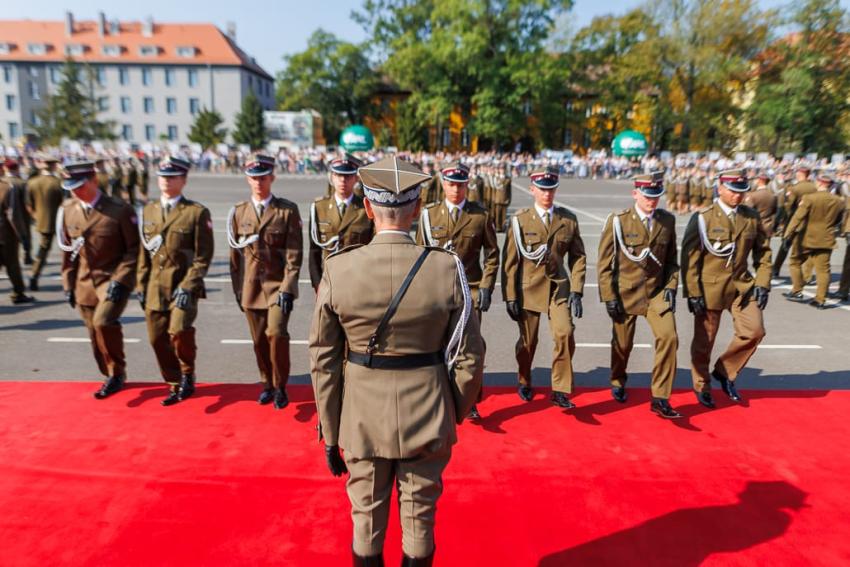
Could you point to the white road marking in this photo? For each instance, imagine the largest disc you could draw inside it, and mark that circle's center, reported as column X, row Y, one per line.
column 560, row 204
column 250, row 342
column 81, row 340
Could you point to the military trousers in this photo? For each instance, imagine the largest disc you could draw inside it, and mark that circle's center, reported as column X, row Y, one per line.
column 419, row 483
column 107, row 337
column 271, row 344
column 844, row 282
column 797, row 260
column 662, row 321
column 45, row 241
column 500, row 216
column 172, row 336
column 818, row 260
column 748, row 329
column 561, row 327
column 10, row 259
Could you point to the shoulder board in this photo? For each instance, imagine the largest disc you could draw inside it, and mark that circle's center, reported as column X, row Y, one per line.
column 432, row 205
column 240, row 204
column 705, row 209
column 522, row 211
column 624, row 212
column 348, row 248
column 320, row 198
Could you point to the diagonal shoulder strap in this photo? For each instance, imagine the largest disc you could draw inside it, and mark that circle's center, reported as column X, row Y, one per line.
column 373, row 340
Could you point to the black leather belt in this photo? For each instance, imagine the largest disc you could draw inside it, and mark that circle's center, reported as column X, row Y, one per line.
column 401, row 362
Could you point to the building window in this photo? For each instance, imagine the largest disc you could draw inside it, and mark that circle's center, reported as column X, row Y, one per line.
column 37, row 48
column 126, row 132
column 250, row 82
column 123, row 75
column 148, row 104
column 172, row 133
column 55, row 75
column 7, row 73
column 112, row 50
column 447, row 136
column 103, row 103
column 34, row 92
column 148, row 50
column 146, row 77
column 10, row 102
column 6, row 48
column 193, row 77
column 33, row 71
column 100, row 75
column 34, row 119
column 14, row 130
column 75, row 49
column 150, row 132
column 169, row 77
column 194, row 106
column 171, row 105
column 185, row 51
column 125, row 104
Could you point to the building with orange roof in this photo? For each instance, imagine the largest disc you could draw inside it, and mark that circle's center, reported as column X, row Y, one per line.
column 151, row 77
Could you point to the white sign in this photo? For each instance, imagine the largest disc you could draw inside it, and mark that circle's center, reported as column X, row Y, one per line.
column 287, row 128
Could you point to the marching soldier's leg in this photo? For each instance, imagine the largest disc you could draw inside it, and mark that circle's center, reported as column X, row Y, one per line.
column 369, row 487
column 44, row 244
column 182, row 334
column 420, row 484
column 87, row 313
column 10, row 259
column 795, row 265
column 258, row 324
column 705, row 332
column 561, row 327
column 110, row 336
column 169, row 366
column 748, row 327
column 844, row 283
column 779, row 260
column 529, row 322
column 622, row 340
column 278, row 338
column 820, row 264
column 662, row 321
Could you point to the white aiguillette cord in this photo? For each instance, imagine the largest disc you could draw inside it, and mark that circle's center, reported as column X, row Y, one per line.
column 537, row 256
column 618, row 239
column 425, row 219
column 457, row 336
column 154, row 243
column 244, row 240
column 727, row 251
column 74, row 246
column 332, row 244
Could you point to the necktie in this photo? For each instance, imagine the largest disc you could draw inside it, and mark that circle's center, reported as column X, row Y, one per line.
column 260, row 210
column 86, row 210
column 732, row 217
column 546, row 219
column 165, row 210
column 455, row 214
column 646, row 224
column 341, row 208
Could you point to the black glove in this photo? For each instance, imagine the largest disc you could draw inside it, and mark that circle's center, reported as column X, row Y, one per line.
column 762, row 294
column 788, row 242
column 116, row 292
column 513, row 310
column 239, row 302
column 615, row 309
column 696, row 305
column 847, row 238
column 284, row 301
column 141, row 297
column 335, row 463
column 71, row 298
column 484, row 299
column 181, row 298
column 575, row 304
column 670, row 298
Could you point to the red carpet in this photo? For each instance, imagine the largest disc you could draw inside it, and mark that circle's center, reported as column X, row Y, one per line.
column 218, row 480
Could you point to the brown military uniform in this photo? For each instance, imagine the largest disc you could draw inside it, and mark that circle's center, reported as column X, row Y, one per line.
column 475, row 189
column 432, row 191
column 793, row 195
column 397, row 427
column 725, row 283
column 500, row 200
column 813, row 227
column 109, row 253
column 844, row 282
column 640, row 286
column 12, row 215
column 261, row 270
column 181, row 261
column 44, row 197
column 326, row 223
column 545, row 287
column 764, row 201
column 129, row 180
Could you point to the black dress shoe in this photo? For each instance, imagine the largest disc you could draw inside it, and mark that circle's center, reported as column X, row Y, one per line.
column 187, row 386
column 28, row 261
column 561, row 400
column 371, row 561
column 794, row 295
column 473, row 413
column 619, row 394
column 417, row 561
column 18, row 299
column 728, row 386
column 663, row 408
column 817, row 304
column 112, row 385
column 173, row 398
column 705, row 399
column 280, row 399
column 266, row 396
column 525, row 393
column 839, row 296
column 33, row 284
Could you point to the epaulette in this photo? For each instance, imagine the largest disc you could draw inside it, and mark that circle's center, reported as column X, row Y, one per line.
column 432, row 205
column 348, row 248
column 522, row 211
column 624, row 212
column 705, row 209
column 320, row 198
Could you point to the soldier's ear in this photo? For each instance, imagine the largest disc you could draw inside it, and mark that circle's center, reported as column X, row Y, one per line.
column 370, row 213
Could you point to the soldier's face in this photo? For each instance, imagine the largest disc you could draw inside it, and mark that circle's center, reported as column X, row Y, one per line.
column 261, row 186
column 343, row 184
column 455, row 192
column 644, row 203
column 730, row 198
column 544, row 198
column 171, row 185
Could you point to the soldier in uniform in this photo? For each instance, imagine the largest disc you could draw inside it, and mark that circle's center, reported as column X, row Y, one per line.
column 266, row 250
column 431, row 190
column 813, row 228
column 466, row 229
column 11, row 219
column 414, row 367
column 793, row 194
column 129, row 179
column 500, row 198
column 144, row 177
column 99, row 237
column 338, row 220
column 475, row 192
column 21, row 219
column 682, row 194
column 44, row 197
column 116, row 178
column 720, row 242
column 177, row 248
column 535, row 281
column 843, row 292
column 639, row 275
column 762, row 199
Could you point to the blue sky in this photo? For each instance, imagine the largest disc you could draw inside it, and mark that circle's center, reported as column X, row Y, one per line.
column 266, row 29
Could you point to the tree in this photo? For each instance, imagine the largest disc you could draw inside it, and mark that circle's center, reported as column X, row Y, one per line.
column 72, row 112
column 250, row 127
column 331, row 76
column 205, row 129
column 410, row 134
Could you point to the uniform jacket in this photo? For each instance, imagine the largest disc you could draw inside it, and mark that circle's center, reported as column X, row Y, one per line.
column 500, row 190
column 352, row 228
column 393, row 414
column 795, row 192
column 635, row 283
column 764, row 201
column 44, row 197
column 272, row 263
column 184, row 257
column 473, row 234
column 110, row 251
column 16, row 220
column 475, row 191
column 533, row 285
column 721, row 280
column 432, row 191
column 817, row 218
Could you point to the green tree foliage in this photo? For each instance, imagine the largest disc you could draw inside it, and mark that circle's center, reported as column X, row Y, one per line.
column 331, row 76
column 206, row 129
column 72, row 111
column 409, row 131
column 250, row 128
